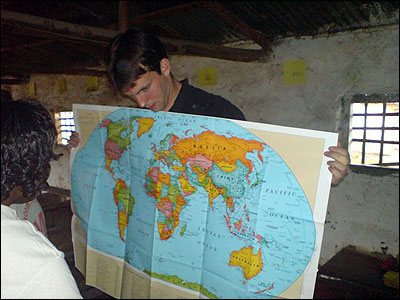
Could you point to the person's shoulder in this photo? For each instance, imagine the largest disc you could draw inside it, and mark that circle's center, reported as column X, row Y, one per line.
column 33, row 263
column 29, row 243
column 9, row 218
column 7, row 213
column 214, row 105
column 199, row 92
column 24, row 235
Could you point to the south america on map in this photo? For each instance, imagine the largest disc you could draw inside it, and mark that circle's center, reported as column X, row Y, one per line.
column 198, row 204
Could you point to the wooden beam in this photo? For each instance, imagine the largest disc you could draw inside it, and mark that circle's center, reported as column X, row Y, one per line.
column 189, row 48
column 238, row 23
column 100, row 19
column 164, row 13
column 37, row 69
column 14, row 65
column 123, row 16
column 57, row 28
column 69, row 32
column 31, row 31
column 10, row 81
column 29, row 45
column 46, row 59
column 136, row 10
column 158, row 17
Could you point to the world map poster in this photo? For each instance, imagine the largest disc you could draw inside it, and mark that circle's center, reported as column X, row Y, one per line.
column 169, row 205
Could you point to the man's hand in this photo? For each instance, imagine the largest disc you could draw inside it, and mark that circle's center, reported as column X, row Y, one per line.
column 73, row 141
column 339, row 167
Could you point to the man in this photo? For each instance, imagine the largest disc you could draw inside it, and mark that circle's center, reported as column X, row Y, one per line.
column 31, row 267
column 139, row 69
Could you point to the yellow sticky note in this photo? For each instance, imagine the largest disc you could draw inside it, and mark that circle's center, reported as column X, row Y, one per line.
column 62, row 85
column 32, row 89
column 207, row 76
column 92, row 83
column 294, row 72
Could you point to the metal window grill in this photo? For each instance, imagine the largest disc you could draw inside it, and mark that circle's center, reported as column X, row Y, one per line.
column 374, row 133
column 65, row 126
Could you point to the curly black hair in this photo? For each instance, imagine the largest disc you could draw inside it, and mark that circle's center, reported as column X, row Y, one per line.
column 28, row 135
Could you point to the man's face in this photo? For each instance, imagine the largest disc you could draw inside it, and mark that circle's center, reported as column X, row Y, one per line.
column 152, row 91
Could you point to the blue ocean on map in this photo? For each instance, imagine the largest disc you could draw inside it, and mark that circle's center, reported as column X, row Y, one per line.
column 195, row 198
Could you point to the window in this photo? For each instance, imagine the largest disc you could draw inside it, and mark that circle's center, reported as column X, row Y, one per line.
column 65, row 126
column 374, row 131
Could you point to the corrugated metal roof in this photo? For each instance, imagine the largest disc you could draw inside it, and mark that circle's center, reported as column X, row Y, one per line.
column 33, row 44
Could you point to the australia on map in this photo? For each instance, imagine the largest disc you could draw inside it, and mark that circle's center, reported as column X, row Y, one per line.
column 171, row 205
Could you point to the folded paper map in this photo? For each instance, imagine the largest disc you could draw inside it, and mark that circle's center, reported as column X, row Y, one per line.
column 170, row 205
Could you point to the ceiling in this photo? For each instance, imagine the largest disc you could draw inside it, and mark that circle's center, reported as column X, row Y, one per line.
column 70, row 37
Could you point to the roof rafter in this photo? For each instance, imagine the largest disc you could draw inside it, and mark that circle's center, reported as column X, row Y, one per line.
column 100, row 37
column 168, row 12
column 28, row 45
column 236, row 22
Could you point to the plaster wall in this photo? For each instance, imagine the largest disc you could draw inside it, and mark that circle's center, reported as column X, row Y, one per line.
column 363, row 210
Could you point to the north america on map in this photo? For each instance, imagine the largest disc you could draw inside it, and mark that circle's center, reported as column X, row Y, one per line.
column 200, row 203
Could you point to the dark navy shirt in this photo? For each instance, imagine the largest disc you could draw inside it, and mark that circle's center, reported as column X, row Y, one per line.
column 192, row 100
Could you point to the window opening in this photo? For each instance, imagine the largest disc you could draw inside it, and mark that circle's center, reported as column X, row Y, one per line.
column 374, row 132
column 65, row 126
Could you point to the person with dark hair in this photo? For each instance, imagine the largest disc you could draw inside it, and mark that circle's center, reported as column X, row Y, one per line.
column 24, row 176
column 138, row 68
column 31, row 266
